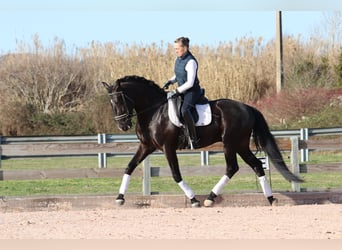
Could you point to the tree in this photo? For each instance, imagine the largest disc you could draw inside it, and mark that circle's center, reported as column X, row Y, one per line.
column 48, row 79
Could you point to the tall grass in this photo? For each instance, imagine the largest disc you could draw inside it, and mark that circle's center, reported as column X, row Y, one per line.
column 38, row 83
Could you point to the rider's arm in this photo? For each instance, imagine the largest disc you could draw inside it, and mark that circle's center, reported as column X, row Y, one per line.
column 191, row 68
column 173, row 79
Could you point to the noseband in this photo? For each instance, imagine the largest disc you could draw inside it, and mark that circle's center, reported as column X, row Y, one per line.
column 126, row 114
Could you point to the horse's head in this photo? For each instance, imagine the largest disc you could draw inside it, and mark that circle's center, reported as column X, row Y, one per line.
column 122, row 106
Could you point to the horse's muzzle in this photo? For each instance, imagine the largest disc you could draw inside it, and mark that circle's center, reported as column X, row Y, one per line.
column 124, row 126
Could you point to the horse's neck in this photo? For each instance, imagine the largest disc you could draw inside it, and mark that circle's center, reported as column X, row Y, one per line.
column 147, row 101
column 147, row 110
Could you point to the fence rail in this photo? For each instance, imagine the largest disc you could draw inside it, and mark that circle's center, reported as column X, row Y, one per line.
column 111, row 139
column 102, row 144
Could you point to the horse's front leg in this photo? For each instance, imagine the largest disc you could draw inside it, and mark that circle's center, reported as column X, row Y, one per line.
column 142, row 152
column 172, row 159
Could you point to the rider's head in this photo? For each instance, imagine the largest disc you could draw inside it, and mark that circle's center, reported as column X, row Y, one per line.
column 181, row 46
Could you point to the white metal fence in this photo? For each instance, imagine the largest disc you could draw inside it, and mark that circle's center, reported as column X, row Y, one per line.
column 302, row 134
column 104, row 145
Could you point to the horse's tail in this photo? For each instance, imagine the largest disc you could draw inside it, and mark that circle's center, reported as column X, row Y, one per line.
column 262, row 137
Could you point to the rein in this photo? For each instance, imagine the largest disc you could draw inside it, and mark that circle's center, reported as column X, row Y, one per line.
column 152, row 107
column 127, row 114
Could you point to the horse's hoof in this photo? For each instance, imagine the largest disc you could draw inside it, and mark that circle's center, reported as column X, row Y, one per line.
column 120, row 202
column 208, row 203
column 195, row 202
column 274, row 202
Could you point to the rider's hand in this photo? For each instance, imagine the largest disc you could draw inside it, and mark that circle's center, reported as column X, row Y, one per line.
column 167, row 84
column 172, row 94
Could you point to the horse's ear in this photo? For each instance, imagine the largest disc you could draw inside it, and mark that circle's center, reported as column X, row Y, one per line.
column 106, row 85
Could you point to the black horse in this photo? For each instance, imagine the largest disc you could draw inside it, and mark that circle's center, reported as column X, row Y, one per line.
column 233, row 123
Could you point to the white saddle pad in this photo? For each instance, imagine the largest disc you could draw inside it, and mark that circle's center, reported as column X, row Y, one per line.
column 204, row 113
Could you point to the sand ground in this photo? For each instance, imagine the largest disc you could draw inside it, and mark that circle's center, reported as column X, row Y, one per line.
column 282, row 222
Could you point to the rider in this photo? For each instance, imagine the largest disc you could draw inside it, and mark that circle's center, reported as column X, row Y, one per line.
column 188, row 85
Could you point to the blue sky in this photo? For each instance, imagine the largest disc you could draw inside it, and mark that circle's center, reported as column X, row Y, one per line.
column 79, row 22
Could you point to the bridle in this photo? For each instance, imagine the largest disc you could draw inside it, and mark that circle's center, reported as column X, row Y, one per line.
column 126, row 115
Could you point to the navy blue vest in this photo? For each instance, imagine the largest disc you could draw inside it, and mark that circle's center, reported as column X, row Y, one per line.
column 180, row 72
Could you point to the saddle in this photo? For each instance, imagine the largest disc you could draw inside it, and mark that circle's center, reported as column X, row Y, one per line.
column 203, row 111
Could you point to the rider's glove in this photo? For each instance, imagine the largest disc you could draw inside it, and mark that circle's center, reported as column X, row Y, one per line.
column 172, row 94
column 167, row 84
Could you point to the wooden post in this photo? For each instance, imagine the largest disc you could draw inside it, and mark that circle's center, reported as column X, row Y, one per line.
column 279, row 53
column 295, row 162
column 146, row 176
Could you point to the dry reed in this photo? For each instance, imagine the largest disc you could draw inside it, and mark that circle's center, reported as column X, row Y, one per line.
column 54, row 80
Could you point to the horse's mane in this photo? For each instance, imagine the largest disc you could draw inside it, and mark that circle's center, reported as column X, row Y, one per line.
column 142, row 80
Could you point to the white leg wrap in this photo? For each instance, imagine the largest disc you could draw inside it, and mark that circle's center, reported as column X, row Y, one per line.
column 188, row 191
column 124, row 183
column 265, row 186
column 220, row 185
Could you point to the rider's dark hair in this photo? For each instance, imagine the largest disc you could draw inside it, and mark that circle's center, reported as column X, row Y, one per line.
column 184, row 41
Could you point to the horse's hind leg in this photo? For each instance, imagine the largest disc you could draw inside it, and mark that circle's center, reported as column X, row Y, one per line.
column 256, row 165
column 231, row 168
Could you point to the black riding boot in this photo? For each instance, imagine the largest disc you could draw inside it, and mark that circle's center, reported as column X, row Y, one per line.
column 190, row 124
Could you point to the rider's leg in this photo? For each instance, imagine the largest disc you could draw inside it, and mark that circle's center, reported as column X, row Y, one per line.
column 189, row 101
column 190, row 124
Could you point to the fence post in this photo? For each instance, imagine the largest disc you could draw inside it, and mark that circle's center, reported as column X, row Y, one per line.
column 295, row 162
column 102, row 157
column 304, row 153
column 146, row 176
column 204, row 158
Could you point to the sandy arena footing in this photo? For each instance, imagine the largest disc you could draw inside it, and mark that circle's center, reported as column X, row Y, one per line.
column 81, row 202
